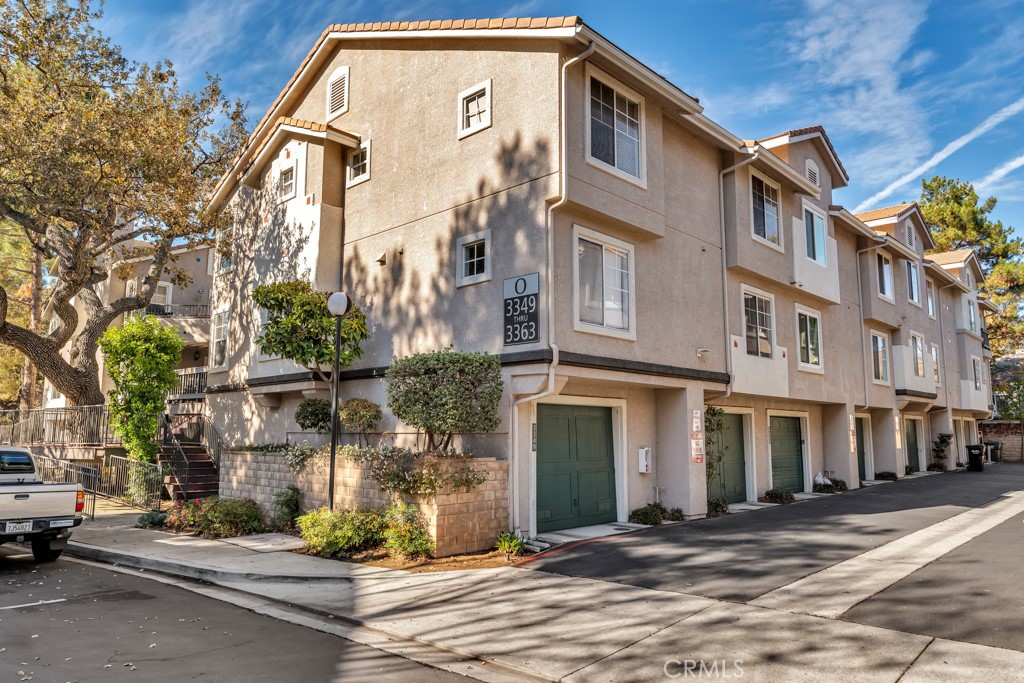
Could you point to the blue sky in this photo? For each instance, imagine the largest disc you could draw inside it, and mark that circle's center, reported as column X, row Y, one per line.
column 905, row 88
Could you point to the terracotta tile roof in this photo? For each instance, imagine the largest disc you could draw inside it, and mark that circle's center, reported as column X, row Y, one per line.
column 824, row 136
column 947, row 258
column 311, row 126
column 884, row 212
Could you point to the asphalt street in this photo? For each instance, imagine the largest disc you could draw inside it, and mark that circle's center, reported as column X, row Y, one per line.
column 67, row 621
column 742, row 556
column 974, row 594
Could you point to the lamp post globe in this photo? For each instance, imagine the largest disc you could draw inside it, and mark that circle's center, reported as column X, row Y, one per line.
column 339, row 304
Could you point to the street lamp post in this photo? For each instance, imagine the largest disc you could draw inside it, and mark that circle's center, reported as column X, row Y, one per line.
column 338, row 304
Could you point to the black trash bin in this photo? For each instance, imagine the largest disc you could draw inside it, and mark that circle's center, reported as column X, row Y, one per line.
column 995, row 450
column 976, row 458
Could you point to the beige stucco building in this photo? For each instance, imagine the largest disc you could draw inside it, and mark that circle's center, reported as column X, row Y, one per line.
column 522, row 187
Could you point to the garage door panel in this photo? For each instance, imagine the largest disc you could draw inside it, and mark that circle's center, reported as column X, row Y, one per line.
column 787, row 454
column 556, row 492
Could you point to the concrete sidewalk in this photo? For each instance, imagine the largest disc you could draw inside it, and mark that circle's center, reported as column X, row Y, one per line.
column 549, row 626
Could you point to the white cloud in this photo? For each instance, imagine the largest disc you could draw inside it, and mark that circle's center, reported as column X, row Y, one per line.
column 994, row 178
column 985, row 126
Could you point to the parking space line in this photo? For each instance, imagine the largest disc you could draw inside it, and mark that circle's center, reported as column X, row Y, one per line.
column 34, row 604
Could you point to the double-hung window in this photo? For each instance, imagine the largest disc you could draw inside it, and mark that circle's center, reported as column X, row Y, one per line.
column 880, row 357
column 473, row 258
column 885, row 276
column 757, row 312
column 219, row 339
column 604, row 285
column 286, row 182
column 767, row 221
column 359, row 164
column 972, row 316
column 814, row 226
column 917, row 354
column 808, row 326
column 913, row 283
column 976, row 363
column 936, row 370
column 475, row 109
column 929, row 295
column 616, row 128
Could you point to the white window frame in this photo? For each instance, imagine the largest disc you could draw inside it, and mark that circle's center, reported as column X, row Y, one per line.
column 781, row 246
column 280, row 167
column 936, row 365
column 914, row 283
column 619, row 87
column 972, row 316
column 351, row 180
column 579, row 232
column 976, row 370
column 931, row 297
column 465, row 131
column 461, row 279
column 917, row 344
column 811, row 208
column 225, row 263
column 339, row 73
column 884, row 276
column 260, row 317
column 746, row 290
column 885, row 381
column 812, row 172
column 226, row 312
column 801, row 365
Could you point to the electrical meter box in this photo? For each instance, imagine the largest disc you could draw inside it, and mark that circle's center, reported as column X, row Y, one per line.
column 645, row 460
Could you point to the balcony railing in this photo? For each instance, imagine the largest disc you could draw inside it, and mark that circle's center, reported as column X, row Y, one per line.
column 84, row 426
column 191, row 384
column 179, row 310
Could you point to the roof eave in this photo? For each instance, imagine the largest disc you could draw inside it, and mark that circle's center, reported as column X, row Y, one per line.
column 784, row 170
column 853, row 223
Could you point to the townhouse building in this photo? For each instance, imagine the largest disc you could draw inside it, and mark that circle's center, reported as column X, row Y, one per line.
column 524, row 188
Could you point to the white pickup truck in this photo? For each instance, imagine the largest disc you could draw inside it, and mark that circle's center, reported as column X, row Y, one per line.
column 35, row 511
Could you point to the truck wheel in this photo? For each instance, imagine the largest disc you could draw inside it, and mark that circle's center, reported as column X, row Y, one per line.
column 42, row 551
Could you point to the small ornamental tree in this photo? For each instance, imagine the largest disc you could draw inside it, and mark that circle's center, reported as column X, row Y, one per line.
column 140, row 356
column 446, row 393
column 301, row 328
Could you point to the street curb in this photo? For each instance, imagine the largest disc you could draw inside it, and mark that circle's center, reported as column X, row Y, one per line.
column 211, row 576
column 189, row 571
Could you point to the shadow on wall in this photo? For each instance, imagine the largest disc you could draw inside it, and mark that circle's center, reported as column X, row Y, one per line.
column 412, row 304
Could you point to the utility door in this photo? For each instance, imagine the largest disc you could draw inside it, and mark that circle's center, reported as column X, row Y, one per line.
column 732, row 482
column 913, row 441
column 862, row 451
column 787, row 453
column 575, row 467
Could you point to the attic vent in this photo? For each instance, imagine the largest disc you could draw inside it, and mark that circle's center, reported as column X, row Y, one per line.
column 910, row 237
column 812, row 172
column 337, row 93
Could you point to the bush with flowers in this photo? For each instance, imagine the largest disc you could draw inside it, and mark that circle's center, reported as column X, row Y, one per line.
column 185, row 514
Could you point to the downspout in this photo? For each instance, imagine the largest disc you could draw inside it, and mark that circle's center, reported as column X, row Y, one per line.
column 725, row 272
column 942, row 350
column 549, row 387
column 860, row 303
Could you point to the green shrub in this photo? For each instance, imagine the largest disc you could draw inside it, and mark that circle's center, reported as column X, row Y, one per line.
column 907, row 469
column 402, row 471
column 287, row 507
column 651, row 514
column 341, row 532
column 509, row 543
column 446, row 393
column 780, row 496
column 839, row 485
column 675, row 515
column 185, row 514
column 230, row 517
column 886, row 476
column 314, row 413
column 718, row 507
column 406, row 535
column 361, row 416
column 937, row 467
column 297, row 456
column 152, row 519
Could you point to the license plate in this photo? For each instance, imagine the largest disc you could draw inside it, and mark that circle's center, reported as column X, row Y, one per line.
column 61, row 522
column 18, row 527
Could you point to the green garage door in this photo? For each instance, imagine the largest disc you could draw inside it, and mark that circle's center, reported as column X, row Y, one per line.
column 575, row 467
column 787, row 454
column 732, row 484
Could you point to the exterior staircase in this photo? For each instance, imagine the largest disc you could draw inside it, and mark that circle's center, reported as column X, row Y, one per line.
column 193, row 473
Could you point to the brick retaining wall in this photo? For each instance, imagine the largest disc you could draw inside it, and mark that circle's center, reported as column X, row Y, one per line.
column 1008, row 434
column 459, row 522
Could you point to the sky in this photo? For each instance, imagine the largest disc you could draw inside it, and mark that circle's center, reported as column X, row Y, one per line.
column 905, row 88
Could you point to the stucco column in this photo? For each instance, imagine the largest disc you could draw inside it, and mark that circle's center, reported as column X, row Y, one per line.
column 888, row 448
column 684, row 482
column 839, row 443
